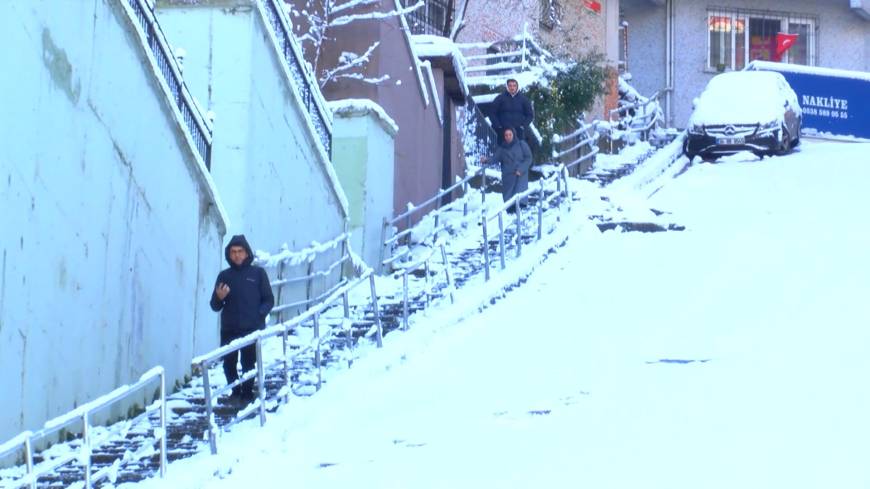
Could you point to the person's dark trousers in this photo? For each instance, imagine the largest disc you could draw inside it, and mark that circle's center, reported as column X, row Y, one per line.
column 249, row 360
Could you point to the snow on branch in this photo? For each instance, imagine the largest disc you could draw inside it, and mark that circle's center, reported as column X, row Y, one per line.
column 357, row 76
column 352, row 4
column 348, row 61
column 346, row 19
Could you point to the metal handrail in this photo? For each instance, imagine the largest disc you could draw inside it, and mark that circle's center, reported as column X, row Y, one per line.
column 311, row 257
column 168, row 66
column 305, row 82
column 421, row 20
column 203, row 363
column 440, row 195
column 560, row 178
column 83, row 414
column 649, row 118
column 437, row 229
column 580, row 137
column 484, row 136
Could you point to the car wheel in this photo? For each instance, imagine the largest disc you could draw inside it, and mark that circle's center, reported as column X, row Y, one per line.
column 797, row 138
column 784, row 141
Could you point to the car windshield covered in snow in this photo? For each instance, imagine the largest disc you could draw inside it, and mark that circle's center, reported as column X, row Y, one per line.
column 744, row 111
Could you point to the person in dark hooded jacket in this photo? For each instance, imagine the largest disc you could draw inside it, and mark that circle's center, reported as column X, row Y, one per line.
column 512, row 109
column 515, row 158
column 244, row 297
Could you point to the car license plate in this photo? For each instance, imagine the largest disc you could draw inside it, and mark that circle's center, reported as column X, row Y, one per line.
column 735, row 140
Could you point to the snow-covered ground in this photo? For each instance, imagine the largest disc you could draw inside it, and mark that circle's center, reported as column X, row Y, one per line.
column 732, row 354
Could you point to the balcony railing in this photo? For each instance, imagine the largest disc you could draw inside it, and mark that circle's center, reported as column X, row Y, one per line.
column 308, row 89
column 433, row 18
column 165, row 61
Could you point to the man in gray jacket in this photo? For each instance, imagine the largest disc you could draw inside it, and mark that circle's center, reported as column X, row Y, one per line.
column 515, row 159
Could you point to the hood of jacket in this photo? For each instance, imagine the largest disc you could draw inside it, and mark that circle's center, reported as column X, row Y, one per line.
column 508, row 145
column 239, row 240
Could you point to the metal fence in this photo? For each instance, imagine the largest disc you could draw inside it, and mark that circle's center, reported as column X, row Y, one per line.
column 559, row 179
column 433, row 18
column 82, row 418
column 574, row 149
column 166, row 63
column 304, row 80
column 640, row 117
column 397, row 250
column 203, row 364
column 478, row 137
column 303, row 278
column 488, row 59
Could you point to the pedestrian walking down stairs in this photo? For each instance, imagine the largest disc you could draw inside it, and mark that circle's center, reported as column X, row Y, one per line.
column 123, row 446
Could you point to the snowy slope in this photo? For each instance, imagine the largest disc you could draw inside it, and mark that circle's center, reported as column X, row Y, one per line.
column 732, row 354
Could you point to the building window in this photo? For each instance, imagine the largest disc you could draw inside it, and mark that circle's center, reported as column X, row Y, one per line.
column 433, row 18
column 738, row 36
column 551, row 14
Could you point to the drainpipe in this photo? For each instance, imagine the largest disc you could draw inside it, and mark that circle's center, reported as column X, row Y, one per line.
column 669, row 62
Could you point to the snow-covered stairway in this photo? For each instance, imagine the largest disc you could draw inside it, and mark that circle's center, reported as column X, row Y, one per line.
column 188, row 422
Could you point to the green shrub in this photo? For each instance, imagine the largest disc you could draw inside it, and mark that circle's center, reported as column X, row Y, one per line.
column 560, row 99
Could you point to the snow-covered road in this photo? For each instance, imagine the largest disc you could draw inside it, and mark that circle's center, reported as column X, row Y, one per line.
column 733, row 354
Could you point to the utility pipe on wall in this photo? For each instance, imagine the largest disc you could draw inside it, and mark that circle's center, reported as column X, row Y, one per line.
column 669, row 62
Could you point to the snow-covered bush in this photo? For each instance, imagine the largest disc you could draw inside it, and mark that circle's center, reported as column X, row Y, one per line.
column 560, row 99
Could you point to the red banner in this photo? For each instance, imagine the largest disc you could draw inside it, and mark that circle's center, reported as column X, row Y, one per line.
column 783, row 42
column 592, row 5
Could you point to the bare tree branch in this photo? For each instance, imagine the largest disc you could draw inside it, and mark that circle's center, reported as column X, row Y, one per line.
column 346, row 19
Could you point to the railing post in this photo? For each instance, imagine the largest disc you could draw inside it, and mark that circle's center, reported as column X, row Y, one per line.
column 485, row 249
column 525, row 34
column 427, row 288
column 261, row 381
column 567, row 190
column 541, row 208
column 375, row 311
column 206, row 386
column 317, row 350
column 310, row 283
column 405, row 299
column 345, row 246
column 163, row 454
column 519, row 228
column 86, row 450
column 349, row 325
column 28, row 460
column 280, row 288
column 286, row 367
column 483, row 186
column 382, row 253
column 501, row 238
column 447, row 273
column 465, row 198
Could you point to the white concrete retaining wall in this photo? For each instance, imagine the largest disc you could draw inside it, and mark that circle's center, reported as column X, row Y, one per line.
column 109, row 229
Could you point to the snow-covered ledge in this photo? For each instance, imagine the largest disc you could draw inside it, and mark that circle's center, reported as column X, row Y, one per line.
column 350, row 107
column 861, row 8
column 364, row 139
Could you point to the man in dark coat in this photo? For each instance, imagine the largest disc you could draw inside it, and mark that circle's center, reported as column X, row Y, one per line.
column 244, row 297
column 511, row 109
column 515, row 159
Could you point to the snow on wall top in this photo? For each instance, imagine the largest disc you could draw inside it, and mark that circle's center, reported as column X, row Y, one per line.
column 813, row 70
column 427, row 46
column 361, row 106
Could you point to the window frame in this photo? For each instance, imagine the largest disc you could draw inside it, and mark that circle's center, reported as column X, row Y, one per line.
column 735, row 15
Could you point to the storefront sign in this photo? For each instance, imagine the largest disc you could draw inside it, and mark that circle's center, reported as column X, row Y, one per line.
column 832, row 101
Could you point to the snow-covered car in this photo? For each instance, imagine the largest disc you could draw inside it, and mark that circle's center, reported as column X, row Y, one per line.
column 753, row 111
